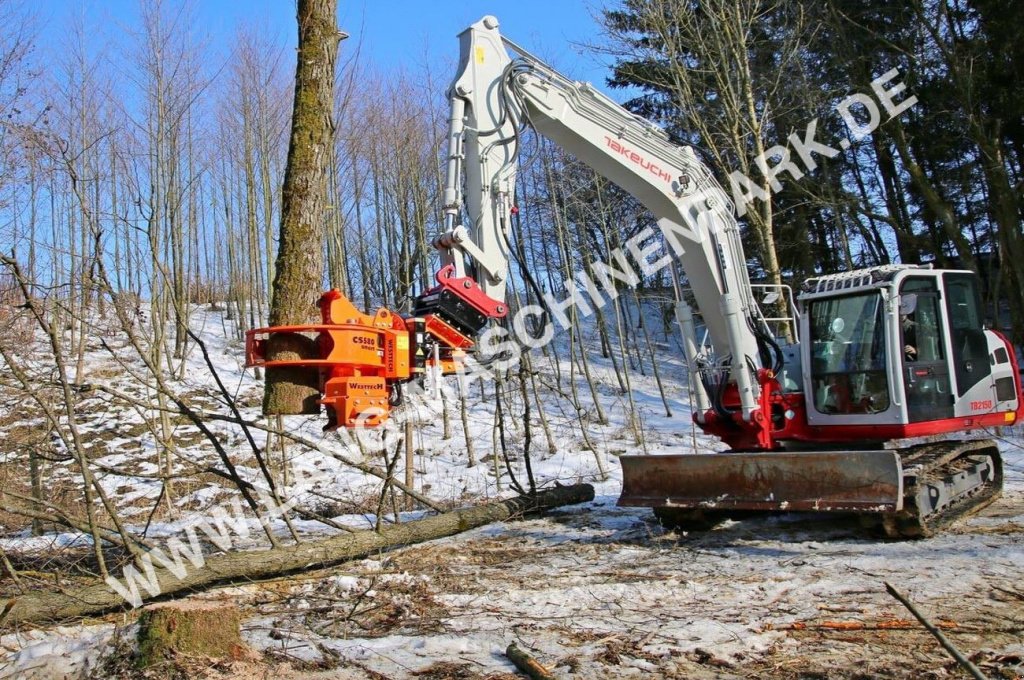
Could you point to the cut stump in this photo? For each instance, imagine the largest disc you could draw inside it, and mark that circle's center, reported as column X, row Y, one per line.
column 204, row 628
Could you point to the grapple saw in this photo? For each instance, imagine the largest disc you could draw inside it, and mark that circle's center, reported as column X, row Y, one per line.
column 359, row 361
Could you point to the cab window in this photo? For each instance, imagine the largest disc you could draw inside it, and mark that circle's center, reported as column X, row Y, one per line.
column 848, row 354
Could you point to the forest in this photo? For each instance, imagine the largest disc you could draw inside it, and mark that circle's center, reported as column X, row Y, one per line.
column 176, row 187
column 142, row 219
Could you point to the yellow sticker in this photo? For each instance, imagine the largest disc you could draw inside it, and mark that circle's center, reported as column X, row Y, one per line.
column 479, row 55
column 402, row 342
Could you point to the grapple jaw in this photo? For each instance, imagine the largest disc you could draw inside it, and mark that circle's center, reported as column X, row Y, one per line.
column 837, row 481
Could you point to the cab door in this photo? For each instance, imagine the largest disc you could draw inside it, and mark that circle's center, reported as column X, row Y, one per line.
column 921, row 329
column 971, row 364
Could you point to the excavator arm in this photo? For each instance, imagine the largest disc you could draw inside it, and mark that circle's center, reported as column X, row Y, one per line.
column 495, row 97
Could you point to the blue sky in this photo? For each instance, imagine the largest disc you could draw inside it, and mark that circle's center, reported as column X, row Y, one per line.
column 388, row 33
column 403, row 30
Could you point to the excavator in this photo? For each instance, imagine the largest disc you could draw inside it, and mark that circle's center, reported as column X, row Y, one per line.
column 864, row 406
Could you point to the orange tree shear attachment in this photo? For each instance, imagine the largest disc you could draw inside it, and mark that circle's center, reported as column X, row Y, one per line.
column 363, row 358
column 360, row 358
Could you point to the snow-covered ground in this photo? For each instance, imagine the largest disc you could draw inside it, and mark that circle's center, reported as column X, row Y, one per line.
column 592, row 591
column 601, row 592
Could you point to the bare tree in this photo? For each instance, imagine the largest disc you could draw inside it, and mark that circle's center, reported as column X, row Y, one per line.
column 298, row 274
column 728, row 73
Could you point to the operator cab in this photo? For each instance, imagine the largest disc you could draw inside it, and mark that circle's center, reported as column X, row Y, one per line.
column 898, row 346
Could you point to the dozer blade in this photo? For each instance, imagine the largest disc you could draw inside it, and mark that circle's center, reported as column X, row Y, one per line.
column 837, row 481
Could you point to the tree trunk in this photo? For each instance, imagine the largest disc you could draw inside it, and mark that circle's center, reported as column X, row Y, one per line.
column 298, row 274
column 248, row 566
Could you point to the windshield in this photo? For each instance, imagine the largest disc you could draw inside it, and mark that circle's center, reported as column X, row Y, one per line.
column 848, row 354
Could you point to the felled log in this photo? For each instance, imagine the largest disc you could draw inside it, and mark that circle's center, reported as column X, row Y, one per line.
column 100, row 598
column 527, row 664
column 886, row 624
